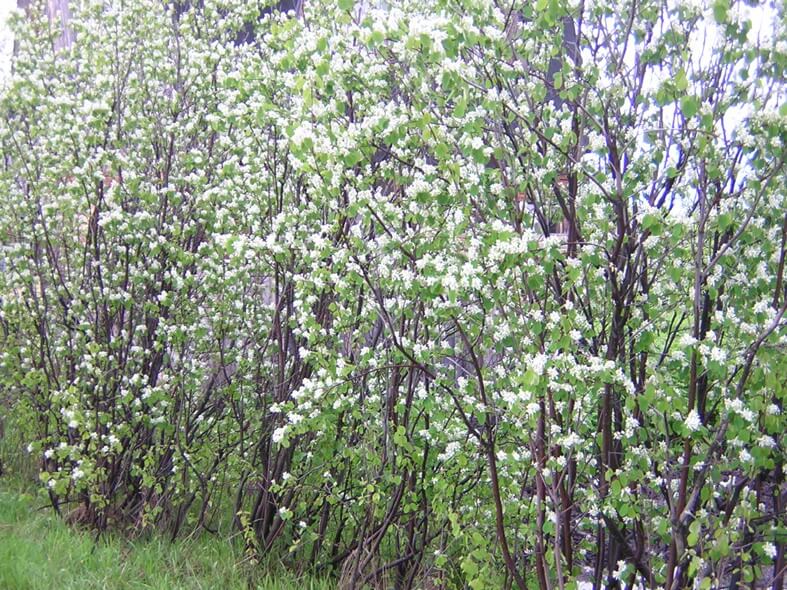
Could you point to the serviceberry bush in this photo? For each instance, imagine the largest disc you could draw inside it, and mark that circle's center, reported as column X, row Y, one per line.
column 436, row 294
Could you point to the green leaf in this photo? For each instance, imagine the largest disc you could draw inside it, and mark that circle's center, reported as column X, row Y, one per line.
column 346, row 4
column 615, row 487
column 681, row 81
column 720, row 10
column 644, row 342
column 692, row 539
column 662, row 96
column 694, row 533
column 530, row 378
column 652, row 223
column 461, row 107
column 470, row 568
column 725, row 221
column 353, row 157
column 689, row 105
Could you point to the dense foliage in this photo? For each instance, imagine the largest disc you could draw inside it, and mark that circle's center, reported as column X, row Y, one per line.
column 448, row 293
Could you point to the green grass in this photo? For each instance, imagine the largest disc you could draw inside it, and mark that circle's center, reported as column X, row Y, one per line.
column 38, row 551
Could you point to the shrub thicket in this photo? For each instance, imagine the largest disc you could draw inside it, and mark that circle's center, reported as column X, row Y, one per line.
column 447, row 293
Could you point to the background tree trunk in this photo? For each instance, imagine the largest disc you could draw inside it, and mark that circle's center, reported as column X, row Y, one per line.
column 59, row 16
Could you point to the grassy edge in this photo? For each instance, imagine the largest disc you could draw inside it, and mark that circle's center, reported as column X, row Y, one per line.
column 38, row 551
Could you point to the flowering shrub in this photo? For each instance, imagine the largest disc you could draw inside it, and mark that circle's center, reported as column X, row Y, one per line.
column 302, row 270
